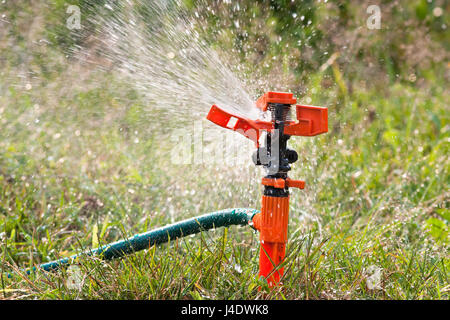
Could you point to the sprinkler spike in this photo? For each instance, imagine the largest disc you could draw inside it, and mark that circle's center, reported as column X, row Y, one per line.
column 272, row 221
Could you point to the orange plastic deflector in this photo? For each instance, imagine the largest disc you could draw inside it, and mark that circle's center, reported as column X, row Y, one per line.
column 249, row 128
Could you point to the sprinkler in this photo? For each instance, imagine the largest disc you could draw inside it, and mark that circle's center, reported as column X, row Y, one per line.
column 276, row 158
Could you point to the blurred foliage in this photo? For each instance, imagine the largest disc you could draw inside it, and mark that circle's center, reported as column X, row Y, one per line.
column 294, row 37
column 302, row 35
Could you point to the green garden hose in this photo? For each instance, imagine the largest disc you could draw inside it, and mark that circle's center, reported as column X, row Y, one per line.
column 223, row 218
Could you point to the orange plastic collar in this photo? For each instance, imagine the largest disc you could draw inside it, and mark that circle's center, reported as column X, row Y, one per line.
column 275, row 97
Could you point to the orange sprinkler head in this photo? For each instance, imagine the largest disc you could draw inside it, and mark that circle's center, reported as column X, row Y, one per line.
column 272, row 221
column 311, row 120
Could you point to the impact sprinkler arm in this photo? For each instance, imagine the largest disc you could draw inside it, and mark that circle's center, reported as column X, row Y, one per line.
column 249, row 128
column 272, row 221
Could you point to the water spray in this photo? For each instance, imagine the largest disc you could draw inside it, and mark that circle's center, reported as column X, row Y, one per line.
column 276, row 158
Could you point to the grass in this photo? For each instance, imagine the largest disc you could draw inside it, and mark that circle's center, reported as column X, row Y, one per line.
column 73, row 175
